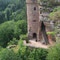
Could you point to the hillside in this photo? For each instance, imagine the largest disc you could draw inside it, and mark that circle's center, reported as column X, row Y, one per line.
column 13, row 31
column 12, row 10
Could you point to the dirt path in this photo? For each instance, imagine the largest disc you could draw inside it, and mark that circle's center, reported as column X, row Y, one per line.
column 35, row 44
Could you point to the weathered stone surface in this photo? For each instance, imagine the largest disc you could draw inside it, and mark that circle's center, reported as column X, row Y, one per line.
column 35, row 17
column 32, row 17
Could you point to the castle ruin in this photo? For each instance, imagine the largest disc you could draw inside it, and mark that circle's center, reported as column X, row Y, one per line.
column 38, row 28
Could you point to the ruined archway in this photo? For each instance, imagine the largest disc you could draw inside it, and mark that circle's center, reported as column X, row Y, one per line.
column 44, row 34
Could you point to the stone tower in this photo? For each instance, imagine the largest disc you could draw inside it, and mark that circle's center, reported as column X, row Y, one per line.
column 33, row 19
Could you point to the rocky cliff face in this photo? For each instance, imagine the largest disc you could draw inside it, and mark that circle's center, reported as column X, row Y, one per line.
column 44, row 13
column 45, row 9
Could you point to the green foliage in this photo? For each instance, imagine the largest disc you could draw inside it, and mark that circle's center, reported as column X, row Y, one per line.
column 24, row 53
column 12, row 10
column 6, row 32
column 56, row 9
column 38, row 1
column 1, row 48
column 22, row 25
column 55, row 15
column 7, row 54
column 38, row 54
column 2, row 17
column 10, row 30
column 52, row 33
column 54, row 53
column 24, row 37
column 13, row 42
column 22, row 48
column 31, row 53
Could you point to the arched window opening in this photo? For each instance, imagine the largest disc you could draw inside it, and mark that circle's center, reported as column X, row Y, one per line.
column 34, row 35
column 34, row 8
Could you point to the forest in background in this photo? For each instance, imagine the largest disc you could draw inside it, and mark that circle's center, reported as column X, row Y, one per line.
column 12, row 20
column 12, row 10
column 13, row 30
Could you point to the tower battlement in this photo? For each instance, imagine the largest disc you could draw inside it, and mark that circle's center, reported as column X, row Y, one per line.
column 31, row 1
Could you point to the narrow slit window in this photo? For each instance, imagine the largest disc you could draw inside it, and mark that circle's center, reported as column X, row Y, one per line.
column 34, row 8
column 34, row 20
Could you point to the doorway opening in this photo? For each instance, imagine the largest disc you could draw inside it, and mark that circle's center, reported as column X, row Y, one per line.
column 34, row 35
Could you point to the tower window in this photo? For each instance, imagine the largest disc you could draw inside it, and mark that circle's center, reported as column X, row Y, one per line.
column 40, row 12
column 34, row 20
column 34, row 8
column 30, row 29
column 34, row 35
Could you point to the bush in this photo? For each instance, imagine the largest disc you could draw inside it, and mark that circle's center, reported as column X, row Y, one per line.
column 1, row 48
column 22, row 25
column 31, row 53
column 7, row 54
column 52, row 33
column 54, row 53
column 6, row 32
column 10, row 30
column 37, row 54
column 22, row 50
column 55, row 15
column 24, row 37
column 14, row 41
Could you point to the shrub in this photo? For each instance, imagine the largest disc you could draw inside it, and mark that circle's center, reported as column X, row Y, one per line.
column 6, row 32
column 54, row 53
column 31, row 53
column 14, row 41
column 22, row 25
column 7, row 54
column 55, row 15
column 38, row 54
column 22, row 50
column 10, row 30
column 24, row 37
column 52, row 33
column 1, row 48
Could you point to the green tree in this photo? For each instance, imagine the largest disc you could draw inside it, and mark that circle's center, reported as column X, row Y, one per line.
column 38, row 54
column 54, row 53
column 14, row 41
column 2, row 17
column 55, row 15
column 31, row 53
column 6, row 33
column 7, row 54
column 8, row 12
column 22, row 25
column 10, row 30
column 12, row 10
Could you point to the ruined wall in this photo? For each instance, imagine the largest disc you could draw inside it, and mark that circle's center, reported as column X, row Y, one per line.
column 44, row 16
